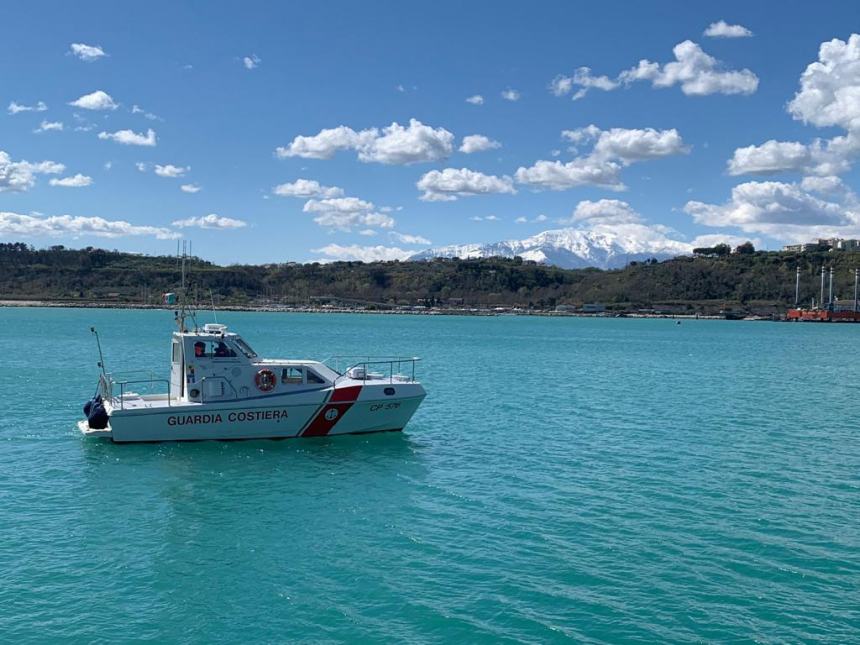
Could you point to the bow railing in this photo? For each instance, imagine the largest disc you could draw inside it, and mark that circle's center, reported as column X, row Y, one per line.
column 394, row 369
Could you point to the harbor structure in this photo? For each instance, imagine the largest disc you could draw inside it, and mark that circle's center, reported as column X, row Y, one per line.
column 833, row 310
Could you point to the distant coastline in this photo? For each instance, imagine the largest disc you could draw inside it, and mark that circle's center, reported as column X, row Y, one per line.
column 713, row 283
column 413, row 311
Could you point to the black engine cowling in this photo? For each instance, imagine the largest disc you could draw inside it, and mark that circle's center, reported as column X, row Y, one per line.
column 97, row 416
column 88, row 406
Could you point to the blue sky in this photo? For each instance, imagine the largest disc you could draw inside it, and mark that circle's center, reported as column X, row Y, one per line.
column 679, row 149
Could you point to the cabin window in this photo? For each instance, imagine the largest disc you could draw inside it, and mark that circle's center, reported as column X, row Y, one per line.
column 177, row 355
column 292, row 375
column 213, row 349
column 313, row 377
column 244, row 348
column 220, row 349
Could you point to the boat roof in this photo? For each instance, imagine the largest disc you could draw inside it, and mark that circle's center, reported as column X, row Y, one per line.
column 208, row 330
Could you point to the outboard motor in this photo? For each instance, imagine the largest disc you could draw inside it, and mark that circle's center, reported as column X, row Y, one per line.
column 97, row 416
column 88, row 406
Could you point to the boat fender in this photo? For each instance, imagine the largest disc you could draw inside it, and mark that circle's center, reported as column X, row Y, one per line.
column 265, row 380
column 98, row 417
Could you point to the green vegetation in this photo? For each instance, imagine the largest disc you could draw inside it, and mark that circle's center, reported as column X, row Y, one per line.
column 707, row 282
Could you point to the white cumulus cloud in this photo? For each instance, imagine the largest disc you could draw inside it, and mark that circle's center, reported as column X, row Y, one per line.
column 306, row 188
column 394, row 144
column 511, row 95
column 211, row 221
column 49, row 126
column 406, row 238
column 712, row 239
column 252, row 61
column 829, row 96
column 87, row 53
column 820, row 157
column 698, row 73
column 17, row 108
column 478, row 143
column 722, row 29
column 136, row 109
column 537, row 220
column 363, row 253
column 75, row 181
column 583, row 171
column 417, row 143
column 825, row 185
column 771, row 156
column 630, row 144
column 15, row 225
column 451, row 183
column 325, row 144
column 475, row 99
column 605, row 211
column 97, row 100
column 784, row 211
column 20, row 176
column 130, row 138
column 190, row 188
column 346, row 213
column 613, row 150
column 583, row 79
column 829, row 92
column 171, row 171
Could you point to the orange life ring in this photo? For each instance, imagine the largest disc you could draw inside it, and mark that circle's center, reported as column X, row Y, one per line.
column 265, row 380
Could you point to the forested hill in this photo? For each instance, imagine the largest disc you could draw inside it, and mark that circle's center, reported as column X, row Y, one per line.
column 698, row 283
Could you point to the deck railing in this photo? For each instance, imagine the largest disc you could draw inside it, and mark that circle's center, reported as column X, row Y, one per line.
column 361, row 367
column 109, row 381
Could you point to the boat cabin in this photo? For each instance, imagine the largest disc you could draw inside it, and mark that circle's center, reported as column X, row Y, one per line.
column 213, row 364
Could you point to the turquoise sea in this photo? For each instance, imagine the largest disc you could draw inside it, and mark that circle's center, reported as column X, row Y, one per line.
column 567, row 479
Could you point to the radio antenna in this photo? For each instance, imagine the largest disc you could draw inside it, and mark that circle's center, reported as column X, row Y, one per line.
column 212, row 299
column 101, row 356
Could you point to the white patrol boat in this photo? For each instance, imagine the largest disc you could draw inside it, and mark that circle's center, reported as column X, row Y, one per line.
column 220, row 389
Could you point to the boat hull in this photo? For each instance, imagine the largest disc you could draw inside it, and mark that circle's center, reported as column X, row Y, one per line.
column 353, row 410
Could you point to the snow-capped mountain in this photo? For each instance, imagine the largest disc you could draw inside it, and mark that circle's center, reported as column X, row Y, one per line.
column 569, row 248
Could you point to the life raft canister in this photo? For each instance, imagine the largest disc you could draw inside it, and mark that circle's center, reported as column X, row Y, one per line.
column 265, row 380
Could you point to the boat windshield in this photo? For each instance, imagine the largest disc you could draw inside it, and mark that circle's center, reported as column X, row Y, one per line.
column 244, row 347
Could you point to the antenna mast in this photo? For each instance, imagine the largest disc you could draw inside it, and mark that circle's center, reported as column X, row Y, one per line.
column 797, row 287
column 101, row 357
column 856, row 277
column 821, row 299
column 212, row 299
column 180, row 315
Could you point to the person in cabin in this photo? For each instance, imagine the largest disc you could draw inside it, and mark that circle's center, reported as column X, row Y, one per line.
column 199, row 349
column 221, row 351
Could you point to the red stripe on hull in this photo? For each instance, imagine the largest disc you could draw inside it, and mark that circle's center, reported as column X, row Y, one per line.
column 332, row 412
column 343, row 394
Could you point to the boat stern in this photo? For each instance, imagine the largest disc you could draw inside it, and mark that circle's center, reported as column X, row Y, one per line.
column 87, row 431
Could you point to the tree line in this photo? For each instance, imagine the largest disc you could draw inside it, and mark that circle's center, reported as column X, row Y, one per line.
column 698, row 282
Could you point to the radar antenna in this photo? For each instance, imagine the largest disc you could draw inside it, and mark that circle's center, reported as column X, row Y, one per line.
column 184, row 311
